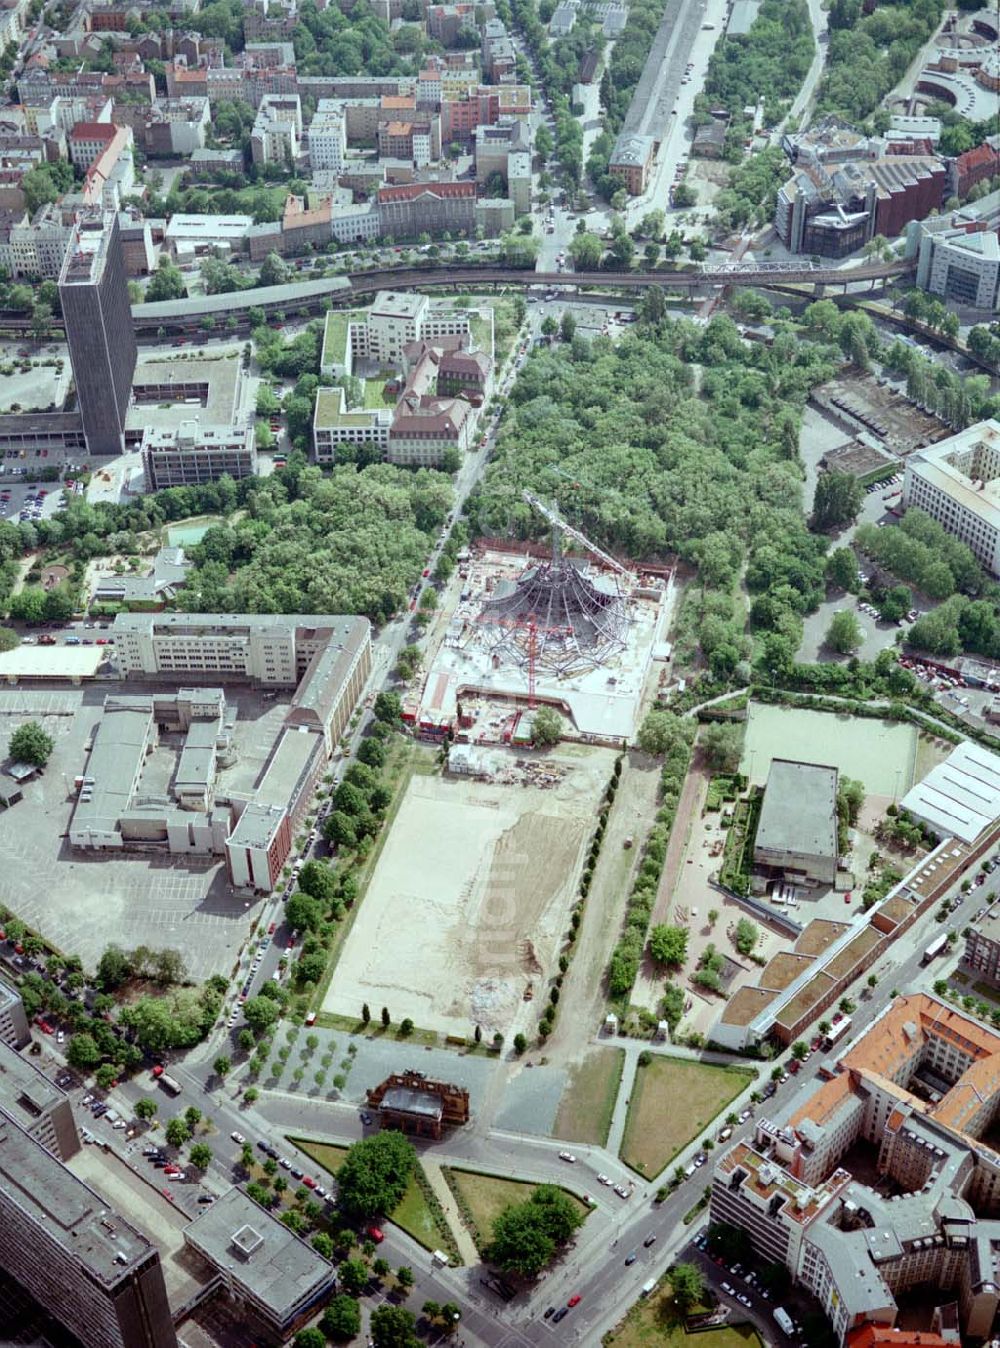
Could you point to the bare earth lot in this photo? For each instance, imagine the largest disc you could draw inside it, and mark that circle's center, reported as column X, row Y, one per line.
column 470, row 898
column 82, row 901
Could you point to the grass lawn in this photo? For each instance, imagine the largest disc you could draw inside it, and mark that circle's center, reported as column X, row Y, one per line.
column 486, row 1196
column 323, row 1153
column 673, row 1100
column 654, row 1321
column 588, row 1101
column 374, row 396
column 414, row 1214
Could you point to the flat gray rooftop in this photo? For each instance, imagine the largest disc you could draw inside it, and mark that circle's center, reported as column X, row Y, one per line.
column 407, row 1101
column 92, row 1237
column 25, row 1093
column 255, row 1249
column 799, row 813
column 221, row 374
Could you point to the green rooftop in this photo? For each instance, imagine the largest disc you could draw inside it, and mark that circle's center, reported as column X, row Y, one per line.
column 335, row 335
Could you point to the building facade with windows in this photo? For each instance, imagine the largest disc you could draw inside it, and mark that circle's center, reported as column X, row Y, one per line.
column 13, row 1020
column 957, row 483
column 81, row 1260
column 190, row 453
column 93, row 291
column 958, row 254
column 920, row 1089
column 37, row 1104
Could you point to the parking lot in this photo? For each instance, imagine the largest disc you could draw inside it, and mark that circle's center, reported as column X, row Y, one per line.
column 83, row 901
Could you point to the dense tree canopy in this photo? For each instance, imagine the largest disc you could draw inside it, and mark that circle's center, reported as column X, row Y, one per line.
column 836, row 501
column 923, row 553
column 769, row 61
column 655, row 467
column 527, row 1235
column 868, row 54
column 375, row 1174
column 30, row 743
column 353, row 541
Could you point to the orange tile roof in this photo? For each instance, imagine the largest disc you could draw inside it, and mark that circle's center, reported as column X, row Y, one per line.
column 887, row 1046
column 825, row 1101
column 881, row 1336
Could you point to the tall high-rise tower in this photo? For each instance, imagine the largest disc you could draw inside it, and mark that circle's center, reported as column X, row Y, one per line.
column 93, row 291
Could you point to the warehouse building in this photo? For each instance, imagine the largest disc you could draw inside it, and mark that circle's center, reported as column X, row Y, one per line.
column 326, row 659
column 960, row 797
column 797, row 834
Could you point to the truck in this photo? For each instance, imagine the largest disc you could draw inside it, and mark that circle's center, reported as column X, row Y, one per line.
column 837, row 1033
column 936, row 947
column 647, row 1288
column 784, row 1320
column 440, row 1259
column 169, row 1084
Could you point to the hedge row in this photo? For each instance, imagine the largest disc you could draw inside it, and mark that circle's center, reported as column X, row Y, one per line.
column 627, row 954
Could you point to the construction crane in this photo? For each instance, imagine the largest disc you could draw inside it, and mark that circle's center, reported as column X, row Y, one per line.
column 532, row 627
column 558, row 523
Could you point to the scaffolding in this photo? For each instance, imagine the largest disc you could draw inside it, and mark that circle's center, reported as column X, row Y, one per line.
column 555, row 620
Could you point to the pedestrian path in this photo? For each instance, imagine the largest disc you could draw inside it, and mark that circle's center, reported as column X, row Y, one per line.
column 617, row 1130
column 466, row 1245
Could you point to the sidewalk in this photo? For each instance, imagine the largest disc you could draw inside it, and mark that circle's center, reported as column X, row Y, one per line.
column 617, row 1130
column 466, row 1245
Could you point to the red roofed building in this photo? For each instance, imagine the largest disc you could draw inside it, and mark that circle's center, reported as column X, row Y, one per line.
column 427, row 208
column 973, row 167
column 88, row 141
column 881, row 1336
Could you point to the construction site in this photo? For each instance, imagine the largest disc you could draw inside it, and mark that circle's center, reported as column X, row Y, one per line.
column 524, row 627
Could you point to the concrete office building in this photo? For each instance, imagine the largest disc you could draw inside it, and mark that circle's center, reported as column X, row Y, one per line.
column 382, row 332
column 339, row 432
column 83, row 1262
column 37, row 1104
column 797, row 834
column 190, row 453
column 93, row 291
column 958, row 254
column 957, row 482
column 13, row 1021
column 273, row 1278
column 920, row 1091
column 327, row 660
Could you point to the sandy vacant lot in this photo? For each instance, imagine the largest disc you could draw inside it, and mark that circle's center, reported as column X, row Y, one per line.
column 470, row 898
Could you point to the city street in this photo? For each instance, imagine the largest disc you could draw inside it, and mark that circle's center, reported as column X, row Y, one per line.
column 594, row 1267
column 691, row 42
